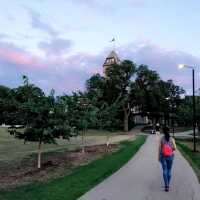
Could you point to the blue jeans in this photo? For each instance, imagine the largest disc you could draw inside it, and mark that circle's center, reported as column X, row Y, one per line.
column 167, row 168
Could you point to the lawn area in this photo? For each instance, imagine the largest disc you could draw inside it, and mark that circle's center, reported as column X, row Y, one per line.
column 57, row 160
column 186, row 147
column 81, row 179
column 181, row 129
column 14, row 150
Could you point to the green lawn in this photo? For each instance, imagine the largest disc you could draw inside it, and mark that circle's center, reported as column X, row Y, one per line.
column 185, row 147
column 181, row 129
column 80, row 180
column 12, row 149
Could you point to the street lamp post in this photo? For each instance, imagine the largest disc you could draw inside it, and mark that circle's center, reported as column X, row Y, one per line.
column 193, row 103
column 194, row 110
column 172, row 116
column 171, row 111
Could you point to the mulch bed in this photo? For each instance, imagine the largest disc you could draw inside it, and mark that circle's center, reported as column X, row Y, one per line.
column 53, row 165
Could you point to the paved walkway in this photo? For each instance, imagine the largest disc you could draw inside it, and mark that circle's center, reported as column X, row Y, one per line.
column 141, row 179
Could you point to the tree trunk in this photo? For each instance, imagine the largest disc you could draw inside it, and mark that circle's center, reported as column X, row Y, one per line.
column 125, row 121
column 39, row 154
column 107, row 142
column 83, row 145
column 165, row 120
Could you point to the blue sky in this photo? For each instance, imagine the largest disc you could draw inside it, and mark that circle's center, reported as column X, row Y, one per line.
column 60, row 44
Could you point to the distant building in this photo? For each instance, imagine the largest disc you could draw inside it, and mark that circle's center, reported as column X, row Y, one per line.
column 137, row 116
column 110, row 60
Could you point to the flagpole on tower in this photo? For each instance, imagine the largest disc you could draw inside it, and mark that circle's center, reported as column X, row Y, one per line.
column 114, row 44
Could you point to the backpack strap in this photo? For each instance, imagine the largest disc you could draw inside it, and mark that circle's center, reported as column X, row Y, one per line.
column 170, row 142
column 163, row 141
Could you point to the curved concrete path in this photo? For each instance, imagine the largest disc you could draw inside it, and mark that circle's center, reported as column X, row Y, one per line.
column 141, row 179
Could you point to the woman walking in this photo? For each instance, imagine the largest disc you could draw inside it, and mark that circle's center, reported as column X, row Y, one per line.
column 157, row 129
column 167, row 146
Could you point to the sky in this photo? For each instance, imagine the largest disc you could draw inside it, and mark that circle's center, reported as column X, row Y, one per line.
column 60, row 44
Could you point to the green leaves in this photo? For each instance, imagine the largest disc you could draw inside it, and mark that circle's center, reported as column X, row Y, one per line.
column 44, row 117
column 155, row 96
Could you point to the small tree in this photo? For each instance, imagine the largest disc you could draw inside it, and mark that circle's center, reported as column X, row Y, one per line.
column 107, row 119
column 46, row 118
column 81, row 113
column 86, row 114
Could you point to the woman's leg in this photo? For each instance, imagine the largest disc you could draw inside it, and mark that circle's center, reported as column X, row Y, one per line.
column 165, row 171
column 169, row 162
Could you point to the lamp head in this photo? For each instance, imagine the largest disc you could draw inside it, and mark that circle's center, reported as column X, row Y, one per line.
column 181, row 66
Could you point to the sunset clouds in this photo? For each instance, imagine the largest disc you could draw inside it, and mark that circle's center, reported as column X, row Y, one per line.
column 61, row 44
column 14, row 55
column 56, row 46
column 69, row 73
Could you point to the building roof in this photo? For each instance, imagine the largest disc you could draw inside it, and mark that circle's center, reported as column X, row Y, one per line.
column 113, row 54
column 111, row 59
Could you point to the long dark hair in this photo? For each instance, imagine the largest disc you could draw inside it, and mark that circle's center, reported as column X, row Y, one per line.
column 166, row 133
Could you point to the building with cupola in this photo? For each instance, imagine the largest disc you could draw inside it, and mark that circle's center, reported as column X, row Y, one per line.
column 110, row 60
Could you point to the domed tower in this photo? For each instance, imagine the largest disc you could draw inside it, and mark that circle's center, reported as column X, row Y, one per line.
column 111, row 59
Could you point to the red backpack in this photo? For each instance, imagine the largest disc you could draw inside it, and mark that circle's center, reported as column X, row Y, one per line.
column 167, row 148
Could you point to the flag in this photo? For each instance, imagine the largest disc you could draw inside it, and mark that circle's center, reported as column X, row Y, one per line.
column 112, row 40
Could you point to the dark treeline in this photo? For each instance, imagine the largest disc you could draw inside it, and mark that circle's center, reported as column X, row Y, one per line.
column 108, row 103
column 110, row 100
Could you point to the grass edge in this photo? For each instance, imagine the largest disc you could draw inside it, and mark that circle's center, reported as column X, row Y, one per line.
column 189, row 159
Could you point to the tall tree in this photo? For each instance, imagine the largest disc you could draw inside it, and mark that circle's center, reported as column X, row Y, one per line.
column 147, row 92
column 106, row 111
column 7, row 105
column 96, row 87
column 170, row 98
column 118, row 84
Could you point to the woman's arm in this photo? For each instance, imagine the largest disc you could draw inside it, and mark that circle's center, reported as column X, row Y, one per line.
column 174, row 144
column 159, row 149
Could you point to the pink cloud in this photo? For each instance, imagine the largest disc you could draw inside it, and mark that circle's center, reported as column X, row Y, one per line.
column 20, row 58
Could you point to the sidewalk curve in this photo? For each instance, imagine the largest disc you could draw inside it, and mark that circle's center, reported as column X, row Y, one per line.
column 141, row 179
